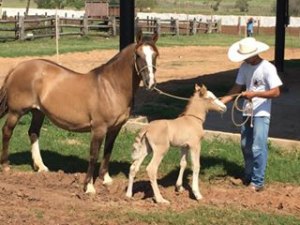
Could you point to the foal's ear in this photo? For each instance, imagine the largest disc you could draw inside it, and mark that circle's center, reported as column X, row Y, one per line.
column 201, row 89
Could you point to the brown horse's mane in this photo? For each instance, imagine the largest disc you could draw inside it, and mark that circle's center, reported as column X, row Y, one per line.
column 99, row 70
column 60, row 66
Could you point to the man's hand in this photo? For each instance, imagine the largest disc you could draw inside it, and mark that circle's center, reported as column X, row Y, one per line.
column 249, row 94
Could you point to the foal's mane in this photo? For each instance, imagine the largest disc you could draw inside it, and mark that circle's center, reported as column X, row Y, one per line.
column 192, row 99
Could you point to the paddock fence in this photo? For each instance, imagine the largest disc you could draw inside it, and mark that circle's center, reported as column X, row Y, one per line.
column 33, row 27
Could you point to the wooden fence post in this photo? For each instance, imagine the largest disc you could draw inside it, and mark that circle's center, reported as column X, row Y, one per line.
column 21, row 28
column 258, row 26
column 194, row 26
column 85, row 24
column 219, row 26
column 114, row 26
column 177, row 27
column 209, row 26
column 239, row 26
column 0, row 9
column 158, row 26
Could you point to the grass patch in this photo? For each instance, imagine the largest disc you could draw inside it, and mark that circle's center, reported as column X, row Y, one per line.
column 46, row 46
column 68, row 151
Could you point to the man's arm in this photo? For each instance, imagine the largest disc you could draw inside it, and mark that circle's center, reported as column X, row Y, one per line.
column 272, row 93
column 234, row 90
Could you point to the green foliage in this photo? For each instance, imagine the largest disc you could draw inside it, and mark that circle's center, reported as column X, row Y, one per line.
column 294, row 7
column 50, row 4
column 242, row 5
column 77, row 4
column 60, row 4
column 215, row 6
column 142, row 4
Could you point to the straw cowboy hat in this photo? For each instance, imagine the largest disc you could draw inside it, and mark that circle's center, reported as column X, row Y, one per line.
column 245, row 49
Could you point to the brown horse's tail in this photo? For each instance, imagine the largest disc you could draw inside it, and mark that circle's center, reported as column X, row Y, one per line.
column 3, row 98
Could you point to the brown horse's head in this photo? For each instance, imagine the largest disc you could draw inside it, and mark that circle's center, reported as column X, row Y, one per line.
column 145, row 58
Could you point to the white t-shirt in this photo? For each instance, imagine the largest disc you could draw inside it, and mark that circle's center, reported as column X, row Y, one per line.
column 260, row 77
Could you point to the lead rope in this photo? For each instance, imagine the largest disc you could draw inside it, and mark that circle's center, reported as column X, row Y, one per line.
column 236, row 106
column 169, row 95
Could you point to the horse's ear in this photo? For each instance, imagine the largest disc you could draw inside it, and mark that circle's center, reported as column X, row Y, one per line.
column 155, row 37
column 139, row 35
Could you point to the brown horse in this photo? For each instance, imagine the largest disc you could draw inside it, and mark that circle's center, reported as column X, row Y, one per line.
column 98, row 102
column 186, row 132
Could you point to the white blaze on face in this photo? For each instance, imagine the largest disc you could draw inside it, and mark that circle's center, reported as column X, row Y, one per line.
column 216, row 100
column 148, row 51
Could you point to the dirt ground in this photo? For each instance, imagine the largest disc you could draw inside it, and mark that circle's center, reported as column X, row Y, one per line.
column 57, row 198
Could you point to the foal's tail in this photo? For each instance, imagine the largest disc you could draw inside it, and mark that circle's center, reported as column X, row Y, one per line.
column 141, row 145
column 3, row 98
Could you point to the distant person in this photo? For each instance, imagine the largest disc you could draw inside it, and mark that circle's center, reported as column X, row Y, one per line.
column 250, row 24
column 261, row 81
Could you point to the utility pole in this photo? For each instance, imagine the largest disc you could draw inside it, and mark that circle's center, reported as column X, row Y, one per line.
column 282, row 21
column 127, row 15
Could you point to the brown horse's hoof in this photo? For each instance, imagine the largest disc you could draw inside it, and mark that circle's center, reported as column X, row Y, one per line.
column 5, row 168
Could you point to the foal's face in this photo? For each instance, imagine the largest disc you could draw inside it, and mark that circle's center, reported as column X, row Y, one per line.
column 146, row 64
column 214, row 103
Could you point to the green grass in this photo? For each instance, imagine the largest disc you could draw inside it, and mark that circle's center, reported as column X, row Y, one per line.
column 67, row 151
column 198, row 216
column 47, row 46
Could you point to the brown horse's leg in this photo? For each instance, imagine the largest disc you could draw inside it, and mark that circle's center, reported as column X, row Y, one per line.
column 109, row 143
column 34, row 133
column 94, row 154
column 7, row 131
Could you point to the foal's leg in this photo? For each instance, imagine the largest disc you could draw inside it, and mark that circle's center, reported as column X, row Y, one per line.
column 109, row 143
column 158, row 153
column 183, row 164
column 95, row 145
column 195, row 156
column 34, row 134
column 135, row 166
column 7, row 131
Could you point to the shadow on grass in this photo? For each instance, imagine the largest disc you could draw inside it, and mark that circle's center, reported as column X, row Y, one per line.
column 69, row 164
column 231, row 170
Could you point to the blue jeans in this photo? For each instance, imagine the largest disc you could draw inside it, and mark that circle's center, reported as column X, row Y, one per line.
column 254, row 143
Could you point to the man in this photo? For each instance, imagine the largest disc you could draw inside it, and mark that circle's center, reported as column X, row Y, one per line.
column 262, row 84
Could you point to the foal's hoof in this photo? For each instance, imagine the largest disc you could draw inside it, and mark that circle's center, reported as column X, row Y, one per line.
column 162, row 201
column 41, row 168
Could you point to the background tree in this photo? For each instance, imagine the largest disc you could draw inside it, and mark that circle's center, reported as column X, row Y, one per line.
column 242, row 5
column 142, row 4
column 215, row 5
column 294, row 7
